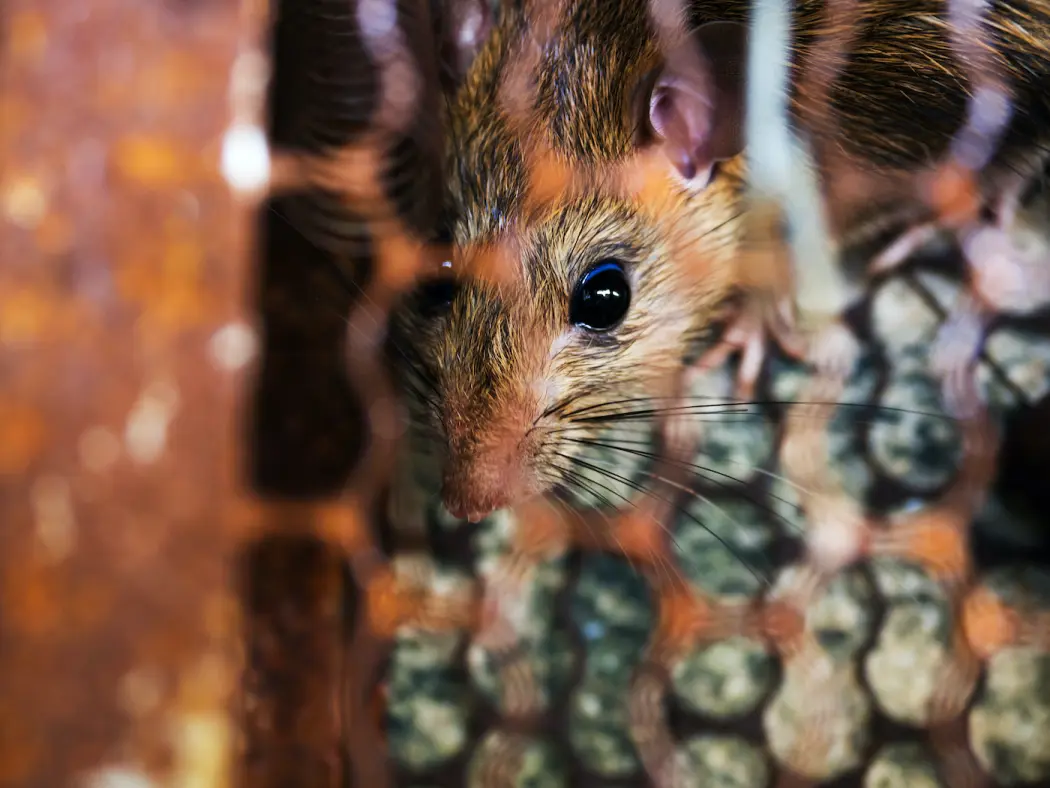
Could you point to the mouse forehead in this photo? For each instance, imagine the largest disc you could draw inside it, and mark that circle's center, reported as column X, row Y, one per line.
column 584, row 85
column 582, row 95
column 569, row 237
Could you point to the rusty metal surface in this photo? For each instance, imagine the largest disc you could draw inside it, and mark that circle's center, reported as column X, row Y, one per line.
column 123, row 347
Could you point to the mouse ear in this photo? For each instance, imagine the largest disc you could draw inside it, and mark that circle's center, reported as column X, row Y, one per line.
column 464, row 25
column 696, row 101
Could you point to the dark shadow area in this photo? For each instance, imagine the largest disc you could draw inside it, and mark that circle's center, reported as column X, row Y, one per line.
column 305, row 425
column 306, row 429
column 1023, row 486
column 305, row 432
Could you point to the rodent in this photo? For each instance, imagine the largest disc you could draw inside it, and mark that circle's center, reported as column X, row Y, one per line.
column 604, row 315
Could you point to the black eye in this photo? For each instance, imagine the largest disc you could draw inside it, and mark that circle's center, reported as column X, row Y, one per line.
column 434, row 296
column 601, row 297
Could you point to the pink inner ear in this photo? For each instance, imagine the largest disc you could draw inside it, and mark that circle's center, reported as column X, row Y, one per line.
column 680, row 114
column 660, row 109
column 695, row 107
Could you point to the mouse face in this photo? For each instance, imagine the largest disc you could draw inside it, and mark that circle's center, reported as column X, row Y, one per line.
column 519, row 382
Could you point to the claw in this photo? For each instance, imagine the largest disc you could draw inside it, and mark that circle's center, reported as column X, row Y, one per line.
column 750, row 333
column 955, row 351
column 1004, row 276
column 1009, row 272
column 834, row 351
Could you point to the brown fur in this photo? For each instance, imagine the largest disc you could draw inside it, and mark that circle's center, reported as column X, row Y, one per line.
column 495, row 383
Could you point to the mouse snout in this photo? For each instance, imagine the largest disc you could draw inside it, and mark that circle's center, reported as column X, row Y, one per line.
column 483, row 470
column 478, row 485
column 473, row 511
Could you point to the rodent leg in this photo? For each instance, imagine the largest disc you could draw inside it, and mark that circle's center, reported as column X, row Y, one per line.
column 1009, row 271
column 1009, row 264
column 953, row 189
column 999, row 280
column 990, row 107
column 750, row 332
column 960, row 338
column 898, row 252
column 833, row 350
column 755, row 350
column 955, row 350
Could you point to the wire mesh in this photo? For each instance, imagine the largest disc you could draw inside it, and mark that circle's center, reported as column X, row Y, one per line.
column 795, row 599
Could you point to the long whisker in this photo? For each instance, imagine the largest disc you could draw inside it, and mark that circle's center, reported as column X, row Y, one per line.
column 763, row 471
column 762, row 578
column 559, row 406
column 574, row 415
column 745, row 408
column 650, row 415
column 642, row 489
column 585, row 485
column 694, row 467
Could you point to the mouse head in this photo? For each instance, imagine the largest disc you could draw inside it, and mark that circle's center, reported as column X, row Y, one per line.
column 519, row 380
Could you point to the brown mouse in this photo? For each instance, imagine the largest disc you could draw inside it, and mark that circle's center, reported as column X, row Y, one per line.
column 502, row 376
column 935, row 131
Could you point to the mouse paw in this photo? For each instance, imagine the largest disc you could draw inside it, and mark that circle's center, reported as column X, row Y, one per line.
column 1004, row 276
column 953, row 356
column 900, row 250
column 833, row 351
column 750, row 334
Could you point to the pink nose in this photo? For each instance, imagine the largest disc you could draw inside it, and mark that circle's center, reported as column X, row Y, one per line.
column 466, row 502
column 483, row 472
column 474, row 489
column 475, row 516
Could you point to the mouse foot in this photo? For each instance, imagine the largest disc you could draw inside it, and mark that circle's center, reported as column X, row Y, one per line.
column 902, row 249
column 833, row 350
column 1005, row 276
column 954, row 354
column 750, row 333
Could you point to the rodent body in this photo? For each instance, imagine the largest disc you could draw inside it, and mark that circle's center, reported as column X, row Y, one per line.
column 503, row 373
